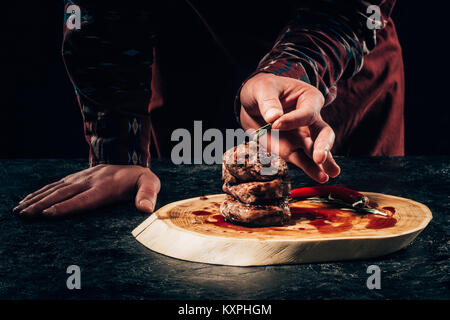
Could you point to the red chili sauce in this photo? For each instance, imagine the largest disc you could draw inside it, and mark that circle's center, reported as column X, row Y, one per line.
column 325, row 220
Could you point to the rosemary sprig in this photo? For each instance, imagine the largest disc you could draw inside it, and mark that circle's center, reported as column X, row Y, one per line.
column 345, row 206
column 262, row 131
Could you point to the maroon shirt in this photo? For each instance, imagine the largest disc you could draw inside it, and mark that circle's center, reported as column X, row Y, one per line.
column 358, row 70
column 112, row 63
column 367, row 114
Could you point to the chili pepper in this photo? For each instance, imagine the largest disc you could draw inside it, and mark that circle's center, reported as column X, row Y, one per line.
column 352, row 197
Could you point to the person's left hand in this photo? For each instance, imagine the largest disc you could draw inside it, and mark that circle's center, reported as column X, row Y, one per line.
column 93, row 188
column 294, row 108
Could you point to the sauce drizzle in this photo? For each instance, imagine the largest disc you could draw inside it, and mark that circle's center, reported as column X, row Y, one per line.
column 324, row 219
column 390, row 209
column 377, row 222
column 201, row 213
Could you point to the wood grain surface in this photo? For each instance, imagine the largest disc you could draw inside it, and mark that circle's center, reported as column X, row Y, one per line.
column 193, row 230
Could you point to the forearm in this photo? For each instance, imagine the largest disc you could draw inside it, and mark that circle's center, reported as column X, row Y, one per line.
column 116, row 137
column 112, row 74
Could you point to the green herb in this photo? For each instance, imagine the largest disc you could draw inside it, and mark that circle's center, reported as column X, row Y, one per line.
column 262, row 131
column 343, row 205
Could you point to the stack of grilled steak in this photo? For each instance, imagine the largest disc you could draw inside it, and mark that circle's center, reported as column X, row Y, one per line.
column 257, row 193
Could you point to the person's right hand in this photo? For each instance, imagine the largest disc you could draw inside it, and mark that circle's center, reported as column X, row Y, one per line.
column 294, row 107
column 92, row 188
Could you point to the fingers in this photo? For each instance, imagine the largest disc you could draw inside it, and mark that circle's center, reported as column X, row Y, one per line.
column 56, row 196
column 308, row 146
column 306, row 113
column 45, row 188
column 148, row 187
column 92, row 188
column 312, row 169
column 323, row 137
column 267, row 97
column 331, row 167
column 38, row 196
column 320, row 173
column 87, row 200
column 64, row 181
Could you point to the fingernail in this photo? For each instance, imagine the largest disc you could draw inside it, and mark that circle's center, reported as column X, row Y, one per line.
column 272, row 114
column 49, row 211
column 17, row 209
column 323, row 177
column 147, row 204
column 276, row 125
column 334, row 175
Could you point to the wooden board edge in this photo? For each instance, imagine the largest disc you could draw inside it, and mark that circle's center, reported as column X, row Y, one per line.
column 428, row 211
column 147, row 222
column 140, row 228
column 161, row 238
column 167, row 207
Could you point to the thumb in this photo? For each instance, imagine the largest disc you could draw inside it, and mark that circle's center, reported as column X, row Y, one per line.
column 148, row 186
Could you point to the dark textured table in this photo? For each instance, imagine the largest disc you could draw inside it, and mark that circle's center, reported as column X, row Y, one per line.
column 35, row 254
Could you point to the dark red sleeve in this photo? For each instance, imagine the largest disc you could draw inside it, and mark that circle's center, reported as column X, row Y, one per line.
column 109, row 61
column 326, row 41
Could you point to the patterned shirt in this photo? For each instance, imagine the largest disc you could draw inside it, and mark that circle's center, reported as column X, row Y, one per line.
column 110, row 62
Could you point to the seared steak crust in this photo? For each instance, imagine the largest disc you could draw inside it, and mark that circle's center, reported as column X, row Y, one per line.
column 256, row 196
column 235, row 211
column 227, row 177
column 254, row 192
column 244, row 163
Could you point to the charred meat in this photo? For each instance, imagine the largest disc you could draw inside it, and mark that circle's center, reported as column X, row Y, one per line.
column 252, row 162
column 259, row 191
column 258, row 186
column 256, row 215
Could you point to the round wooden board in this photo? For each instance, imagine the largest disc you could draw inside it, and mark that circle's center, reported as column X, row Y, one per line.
column 191, row 230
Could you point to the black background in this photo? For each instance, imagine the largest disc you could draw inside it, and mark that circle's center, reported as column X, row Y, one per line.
column 40, row 117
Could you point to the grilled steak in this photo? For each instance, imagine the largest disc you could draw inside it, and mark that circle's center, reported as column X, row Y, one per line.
column 227, row 177
column 244, row 163
column 256, row 196
column 235, row 211
column 259, row 191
